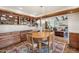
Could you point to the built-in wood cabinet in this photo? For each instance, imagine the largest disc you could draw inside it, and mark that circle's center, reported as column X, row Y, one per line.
column 11, row 18
column 11, row 38
column 8, row 19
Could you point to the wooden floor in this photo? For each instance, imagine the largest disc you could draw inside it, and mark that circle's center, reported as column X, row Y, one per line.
column 71, row 50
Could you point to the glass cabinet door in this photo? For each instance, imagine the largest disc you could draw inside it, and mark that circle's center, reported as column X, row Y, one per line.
column 8, row 19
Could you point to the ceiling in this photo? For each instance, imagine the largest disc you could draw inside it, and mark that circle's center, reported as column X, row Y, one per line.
column 34, row 10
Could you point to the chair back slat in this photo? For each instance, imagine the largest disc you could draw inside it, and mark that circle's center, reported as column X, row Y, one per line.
column 58, row 46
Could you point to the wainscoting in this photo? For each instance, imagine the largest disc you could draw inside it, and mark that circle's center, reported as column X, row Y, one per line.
column 74, row 40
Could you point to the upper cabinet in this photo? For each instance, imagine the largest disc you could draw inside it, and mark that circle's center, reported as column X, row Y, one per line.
column 10, row 18
column 23, row 20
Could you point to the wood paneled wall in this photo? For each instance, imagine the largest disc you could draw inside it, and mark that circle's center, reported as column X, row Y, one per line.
column 74, row 40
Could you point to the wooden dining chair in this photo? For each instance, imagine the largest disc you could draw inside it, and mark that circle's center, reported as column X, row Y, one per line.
column 30, row 40
column 58, row 46
column 48, row 41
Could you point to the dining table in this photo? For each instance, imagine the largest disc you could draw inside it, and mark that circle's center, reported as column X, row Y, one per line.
column 41, row 36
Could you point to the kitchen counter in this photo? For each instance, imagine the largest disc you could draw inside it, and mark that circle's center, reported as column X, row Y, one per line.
column 13, row 28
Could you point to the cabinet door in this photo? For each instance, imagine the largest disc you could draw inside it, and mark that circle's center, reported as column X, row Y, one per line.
column 9, row 40
column 23, row 36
